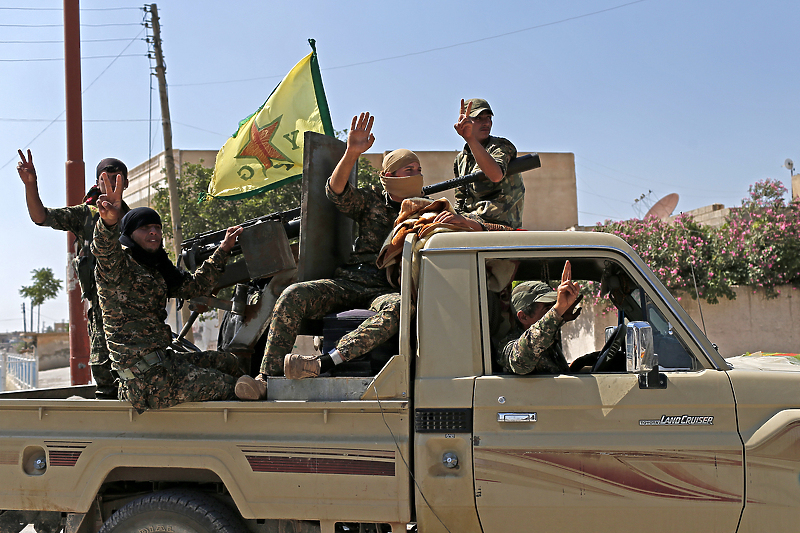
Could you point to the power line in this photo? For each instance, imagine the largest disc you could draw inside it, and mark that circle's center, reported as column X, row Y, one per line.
column 463, row 43
column 82, row 92
column 62, row 59
column 84, row 120
column 61, row 41
column 106, row 25
column 61, row 9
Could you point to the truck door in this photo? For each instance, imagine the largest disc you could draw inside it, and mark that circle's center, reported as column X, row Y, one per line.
column 586, row 452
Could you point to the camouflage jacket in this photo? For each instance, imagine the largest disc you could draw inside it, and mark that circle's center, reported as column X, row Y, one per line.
column 133, row 297
column 375, row 213
column 536, row 350
column 485, row 201
column 80, row 220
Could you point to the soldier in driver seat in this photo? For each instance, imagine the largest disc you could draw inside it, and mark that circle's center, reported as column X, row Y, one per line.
column 533, row 346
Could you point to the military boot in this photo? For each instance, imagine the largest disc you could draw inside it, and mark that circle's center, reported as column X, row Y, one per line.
column 296, row 366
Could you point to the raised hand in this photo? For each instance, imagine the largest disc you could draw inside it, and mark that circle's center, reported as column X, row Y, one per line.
column 25, row 168
column 465, row 124
column 360, row 138
column 109, row 204
column 230, row 238
column 567, row 292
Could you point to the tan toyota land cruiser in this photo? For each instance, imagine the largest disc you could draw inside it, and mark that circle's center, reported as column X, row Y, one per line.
column 661, row 435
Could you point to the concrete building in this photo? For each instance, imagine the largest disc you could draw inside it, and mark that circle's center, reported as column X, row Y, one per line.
column 143, row 177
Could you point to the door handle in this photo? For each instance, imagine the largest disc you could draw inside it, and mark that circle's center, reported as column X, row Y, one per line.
column 516, row 417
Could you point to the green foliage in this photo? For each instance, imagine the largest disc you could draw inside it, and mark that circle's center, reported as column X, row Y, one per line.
column 45, row 286
column 758, row 246
column 199, row 217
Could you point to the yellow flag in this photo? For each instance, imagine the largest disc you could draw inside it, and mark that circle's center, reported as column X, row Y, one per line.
column 267, row 149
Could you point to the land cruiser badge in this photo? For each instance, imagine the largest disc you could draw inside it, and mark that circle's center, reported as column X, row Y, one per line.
column 680, row 420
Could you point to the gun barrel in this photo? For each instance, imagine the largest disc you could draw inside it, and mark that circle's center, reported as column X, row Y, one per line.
column 198, row 248
column 516, row 166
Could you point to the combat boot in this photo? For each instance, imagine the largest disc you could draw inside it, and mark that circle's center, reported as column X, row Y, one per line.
column 296, row 366
column 251, row 389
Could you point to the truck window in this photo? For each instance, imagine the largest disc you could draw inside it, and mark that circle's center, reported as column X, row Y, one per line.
column 671, row 350
column 585, row 335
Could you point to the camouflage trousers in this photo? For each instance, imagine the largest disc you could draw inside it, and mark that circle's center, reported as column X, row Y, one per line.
column 99, row 361
column 315, row 299
column 184, row 377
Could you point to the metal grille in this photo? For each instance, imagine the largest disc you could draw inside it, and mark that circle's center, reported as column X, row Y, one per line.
column 443, row 420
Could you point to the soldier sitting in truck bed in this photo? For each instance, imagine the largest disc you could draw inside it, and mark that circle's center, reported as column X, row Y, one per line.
column 359, row 283
column 134, row 283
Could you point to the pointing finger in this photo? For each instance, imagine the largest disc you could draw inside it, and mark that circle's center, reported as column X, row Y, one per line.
column 566, row 275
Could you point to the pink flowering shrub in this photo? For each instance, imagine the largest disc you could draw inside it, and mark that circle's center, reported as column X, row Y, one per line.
column 759, row 246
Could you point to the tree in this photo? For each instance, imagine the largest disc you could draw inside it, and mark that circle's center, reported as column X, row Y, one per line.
column 45, row 287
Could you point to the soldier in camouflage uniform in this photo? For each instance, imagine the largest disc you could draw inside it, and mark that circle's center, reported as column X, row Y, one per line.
column 80, row 220
column 500, row 198
column 534, row 345
column 134, row 279
column 358, row 283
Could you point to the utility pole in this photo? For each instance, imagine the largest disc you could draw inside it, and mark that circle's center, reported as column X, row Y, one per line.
column 169, row 159
column 76, row 181
column 24, row 319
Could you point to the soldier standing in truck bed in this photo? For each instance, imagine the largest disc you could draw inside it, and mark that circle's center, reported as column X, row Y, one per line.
column 134, row 279
column 80, row 220
column 500, row 198
column 358, row 283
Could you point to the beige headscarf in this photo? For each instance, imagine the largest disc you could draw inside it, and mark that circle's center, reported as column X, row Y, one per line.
column 400, row 187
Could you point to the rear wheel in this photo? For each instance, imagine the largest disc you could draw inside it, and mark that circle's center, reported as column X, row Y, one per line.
column 176, row 511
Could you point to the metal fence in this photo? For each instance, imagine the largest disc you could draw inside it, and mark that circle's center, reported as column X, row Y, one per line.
column 19, row 371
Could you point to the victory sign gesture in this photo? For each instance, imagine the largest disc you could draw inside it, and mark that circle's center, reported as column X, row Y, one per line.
column 110, row 204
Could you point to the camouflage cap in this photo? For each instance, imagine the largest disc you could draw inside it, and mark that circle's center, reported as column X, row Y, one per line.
column 478, row 105
column 526, row 294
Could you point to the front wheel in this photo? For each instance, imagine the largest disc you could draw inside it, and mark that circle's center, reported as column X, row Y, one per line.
column 175, row 511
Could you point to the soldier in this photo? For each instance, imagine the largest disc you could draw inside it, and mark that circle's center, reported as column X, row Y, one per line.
column 358, row 283
column 134, row 279
column 500, row 198
column 534, row 345
column 80, row 220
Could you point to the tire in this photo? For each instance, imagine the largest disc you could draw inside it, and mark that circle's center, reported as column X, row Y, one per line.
column 176, row 511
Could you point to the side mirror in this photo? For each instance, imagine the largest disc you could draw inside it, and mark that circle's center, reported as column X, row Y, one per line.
column 640, row 357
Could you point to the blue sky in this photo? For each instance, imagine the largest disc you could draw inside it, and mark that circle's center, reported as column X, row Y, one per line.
column 696, row 97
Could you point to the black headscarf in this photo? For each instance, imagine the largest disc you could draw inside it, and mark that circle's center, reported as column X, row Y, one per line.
column 135, row 219
column 110, row 165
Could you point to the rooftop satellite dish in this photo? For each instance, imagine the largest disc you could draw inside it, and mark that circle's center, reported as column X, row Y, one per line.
column 789, row 164
column 664, row 207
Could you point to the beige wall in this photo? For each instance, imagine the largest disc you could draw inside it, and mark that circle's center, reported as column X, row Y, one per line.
column 551, row 196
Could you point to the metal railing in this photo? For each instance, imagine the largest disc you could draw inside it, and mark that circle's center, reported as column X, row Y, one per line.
column 19, row 371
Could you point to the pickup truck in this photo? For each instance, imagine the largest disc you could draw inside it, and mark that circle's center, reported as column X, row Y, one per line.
column 661, row 435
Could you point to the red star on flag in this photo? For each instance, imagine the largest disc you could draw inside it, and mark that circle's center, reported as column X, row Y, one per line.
column 260, row 144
